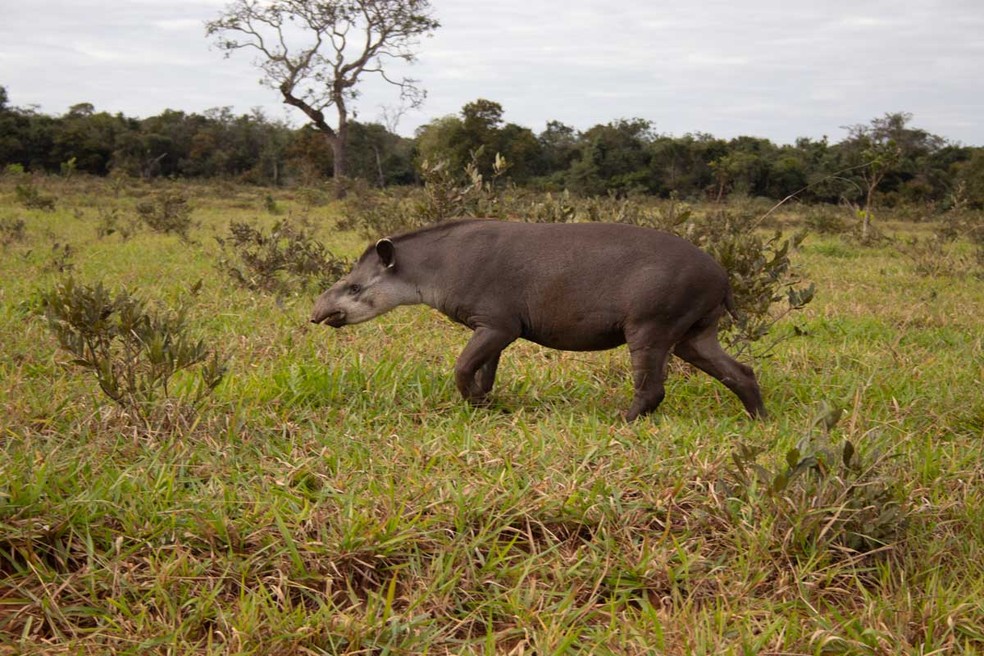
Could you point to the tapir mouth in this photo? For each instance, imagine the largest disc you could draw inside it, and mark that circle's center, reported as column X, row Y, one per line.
column 334, row 319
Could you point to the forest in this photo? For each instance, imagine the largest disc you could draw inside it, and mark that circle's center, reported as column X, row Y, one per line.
column 623, row 157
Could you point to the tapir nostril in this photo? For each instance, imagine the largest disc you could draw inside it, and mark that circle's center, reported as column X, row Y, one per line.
column 334, row 318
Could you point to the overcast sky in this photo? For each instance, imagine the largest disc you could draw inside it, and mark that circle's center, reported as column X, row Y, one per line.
column 779, row 69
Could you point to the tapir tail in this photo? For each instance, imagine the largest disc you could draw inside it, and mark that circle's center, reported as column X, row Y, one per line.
column 729, row 303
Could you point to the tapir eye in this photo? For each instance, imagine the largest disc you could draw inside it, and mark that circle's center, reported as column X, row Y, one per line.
column 354, row 288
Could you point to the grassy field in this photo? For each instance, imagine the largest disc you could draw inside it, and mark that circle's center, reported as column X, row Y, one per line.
column 336, row 496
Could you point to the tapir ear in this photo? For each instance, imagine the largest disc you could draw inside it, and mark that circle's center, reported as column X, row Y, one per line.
column 386, row 252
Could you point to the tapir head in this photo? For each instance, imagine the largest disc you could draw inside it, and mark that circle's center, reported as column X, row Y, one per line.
column 370, row 289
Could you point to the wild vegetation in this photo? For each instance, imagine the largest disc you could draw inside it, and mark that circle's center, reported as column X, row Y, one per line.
column 330, row 493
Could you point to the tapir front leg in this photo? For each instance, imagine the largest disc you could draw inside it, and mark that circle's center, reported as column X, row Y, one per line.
column 474, row 371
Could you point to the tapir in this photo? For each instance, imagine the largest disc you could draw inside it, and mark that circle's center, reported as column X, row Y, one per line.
column 574, row 287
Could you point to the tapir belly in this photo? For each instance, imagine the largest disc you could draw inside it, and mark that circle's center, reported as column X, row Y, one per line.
column 576, row 331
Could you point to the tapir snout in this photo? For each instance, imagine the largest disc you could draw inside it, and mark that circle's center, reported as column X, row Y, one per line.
column 335, row 319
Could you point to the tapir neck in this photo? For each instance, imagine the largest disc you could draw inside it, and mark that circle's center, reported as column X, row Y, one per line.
column 425, row 269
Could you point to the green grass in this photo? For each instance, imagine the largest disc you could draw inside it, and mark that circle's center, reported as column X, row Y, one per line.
column 336, row 495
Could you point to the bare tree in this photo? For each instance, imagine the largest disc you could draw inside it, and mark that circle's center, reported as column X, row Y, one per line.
column 314, row 53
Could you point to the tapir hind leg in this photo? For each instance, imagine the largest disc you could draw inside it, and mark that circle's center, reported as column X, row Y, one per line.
column 702, row 349
column 485, row 378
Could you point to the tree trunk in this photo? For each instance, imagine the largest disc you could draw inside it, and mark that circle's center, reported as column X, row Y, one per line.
column 337, row 138
column 339, row 152
column 868, row 202
column 866, row 219
column 338, row 158
column 379, row 167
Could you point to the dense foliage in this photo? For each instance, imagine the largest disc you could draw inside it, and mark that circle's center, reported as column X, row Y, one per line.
column 900, row 163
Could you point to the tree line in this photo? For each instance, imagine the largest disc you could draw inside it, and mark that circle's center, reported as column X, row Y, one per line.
column 902, row 163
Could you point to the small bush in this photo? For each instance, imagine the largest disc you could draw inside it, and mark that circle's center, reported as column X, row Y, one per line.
column 29, row 196
column 313, row 197
column 824, row 220
column 378, row 213
column 822, row 495
column 936, row 257
column 286, row 260
column 12, row 230
column 940, row 254
column 109, row 222
column 61, row 258
column 271, row 206
column 960, row 225
column 857, row 232
column 133, row 351
column 760, row 270
column 69, row 168
column 550, row 208
column 446, row 194
column 167, row 212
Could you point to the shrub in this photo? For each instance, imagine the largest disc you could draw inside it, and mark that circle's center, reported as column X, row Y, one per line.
column 133, row 351
column 61, row 258
column 31, row 197
column 824, row 220
column 862, row 231
column 69, row 167
column 109, row 222
column 760, row 270
column 550, row 208
column 167, row 212
column 286, row 260
column 11, row 230
column 940, row 254
column 822, row 495
column 967, row 224
column 313, row 197
column 378, row 213
column 935, row 256
column 446, row 194
column 271, row 206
